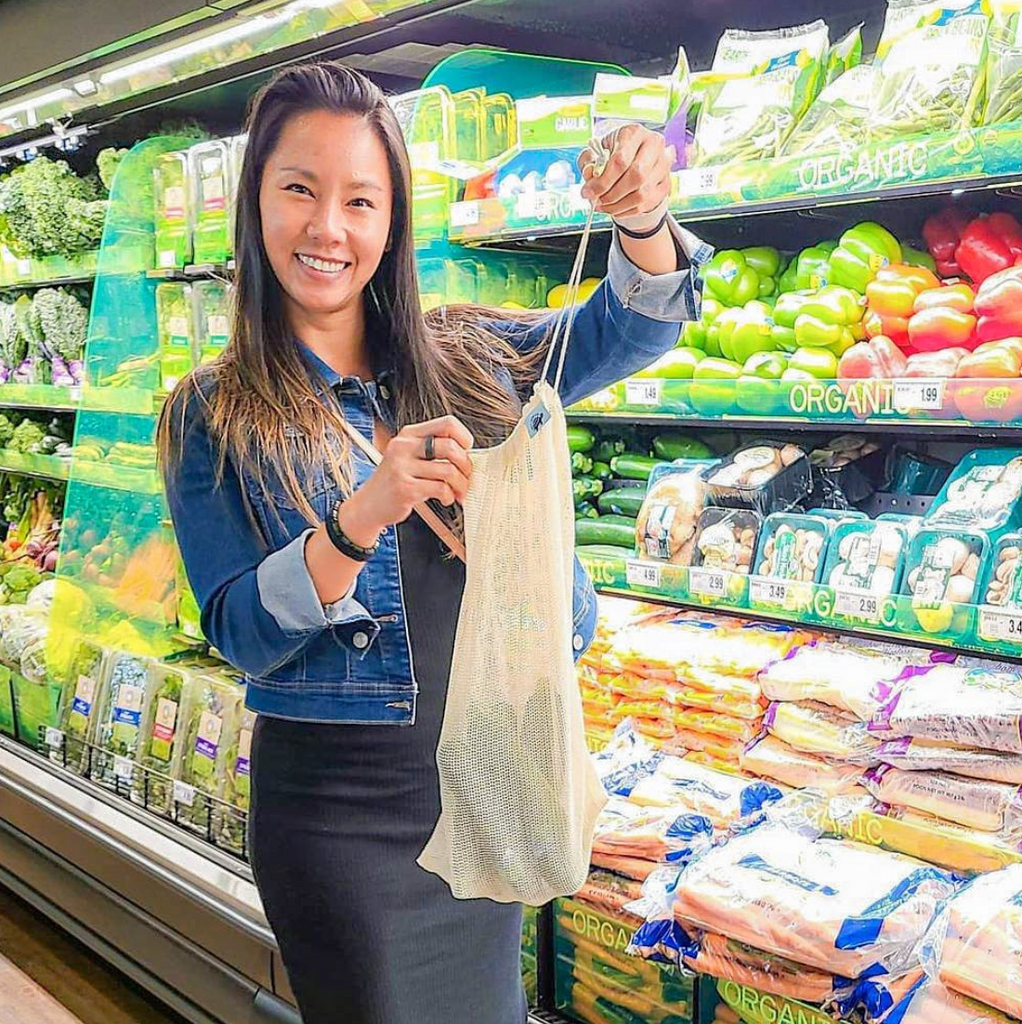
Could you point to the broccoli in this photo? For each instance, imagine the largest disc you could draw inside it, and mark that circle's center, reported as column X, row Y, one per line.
column 107, row 163
column 26, row 437
column 46, row 210
column 64, row 322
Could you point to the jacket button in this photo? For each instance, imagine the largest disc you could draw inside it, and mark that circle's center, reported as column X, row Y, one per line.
column 360, row 640
column 577, row 642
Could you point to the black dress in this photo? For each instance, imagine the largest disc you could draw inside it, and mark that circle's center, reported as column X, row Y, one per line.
column 339, row 815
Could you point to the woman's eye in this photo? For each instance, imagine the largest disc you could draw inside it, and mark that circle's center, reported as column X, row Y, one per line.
column 363, row 202
column 298, row 187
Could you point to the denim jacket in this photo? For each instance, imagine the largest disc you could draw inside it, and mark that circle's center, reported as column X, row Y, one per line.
column 350, row 661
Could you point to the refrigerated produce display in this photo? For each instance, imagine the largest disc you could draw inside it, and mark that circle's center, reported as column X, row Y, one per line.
column 804, row 522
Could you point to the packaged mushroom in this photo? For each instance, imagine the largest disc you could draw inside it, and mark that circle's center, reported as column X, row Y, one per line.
column 1003, row 585
column 941, row 577
column 864, row 565
column 767, row 476
column 726, row 539
column 666, row 525
column 983, row 493
column 793, row 547
column 846, row 470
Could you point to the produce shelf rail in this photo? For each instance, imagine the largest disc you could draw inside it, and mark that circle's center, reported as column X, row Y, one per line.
column 987, row 630
column 54, row 398
column 138, row 479
column 51, row 271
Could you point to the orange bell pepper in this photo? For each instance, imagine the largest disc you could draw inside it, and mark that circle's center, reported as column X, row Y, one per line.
column 891, row 298
column 930, row 330
column 952, row 296
column 996, row 359
column 893, row 327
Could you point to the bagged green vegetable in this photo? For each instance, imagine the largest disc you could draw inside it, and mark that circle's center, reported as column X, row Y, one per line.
column 119, row 725
column 161, row 742
column 844, row 55
column 932, row 72
column 1004, row 63
column 83, row 693
column 231, row 818
column 838, row 118
column 761, row 85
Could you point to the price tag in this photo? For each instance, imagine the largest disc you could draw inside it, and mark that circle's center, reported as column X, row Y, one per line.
column 464, row 215
column 924, row 393
column 124, row 768
column 708, row 582
column 24, row 268
column 75, row 393
column 644, row 392
column 767, row 591
column 184, row 794
column 995, row 624
column 857, row 605
column 699, row 181
column 526, row 205
column 168, row 259
column 54, row 738
column 642, row 574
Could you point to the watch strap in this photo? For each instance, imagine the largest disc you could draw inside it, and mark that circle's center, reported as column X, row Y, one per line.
column 343, row 543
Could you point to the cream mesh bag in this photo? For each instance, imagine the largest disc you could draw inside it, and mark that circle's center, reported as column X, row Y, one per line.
column 519, row 793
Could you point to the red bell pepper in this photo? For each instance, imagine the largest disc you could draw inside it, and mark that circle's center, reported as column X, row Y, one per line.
column 1009, row 229
column 879, row 358
column 930, row 330
column 986, row 246
column 993, row 360
column 935, row 364
column 942, row 232
column 952, row 296
column 999, row 305
column 893, row 327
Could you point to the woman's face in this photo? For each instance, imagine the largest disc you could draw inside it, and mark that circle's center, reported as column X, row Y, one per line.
column 325, row 203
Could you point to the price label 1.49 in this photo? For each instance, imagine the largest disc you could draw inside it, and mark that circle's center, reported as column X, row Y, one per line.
column 707, row 582
column 642, row 574
column 924, row 394
column 644, row 392
column 857, row 605
column 1004, row 626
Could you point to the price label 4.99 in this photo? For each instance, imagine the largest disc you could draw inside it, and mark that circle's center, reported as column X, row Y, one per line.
column 857, row 605
column 922, row 393
column 707, row 582
column 642, row 574
column 995, row 624
column 644, row 392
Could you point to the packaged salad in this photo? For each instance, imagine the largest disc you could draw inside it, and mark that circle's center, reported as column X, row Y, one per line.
column 120, row 715
column 231, row 817
column 161, row 742
column 1004, row 63
column 83, row 695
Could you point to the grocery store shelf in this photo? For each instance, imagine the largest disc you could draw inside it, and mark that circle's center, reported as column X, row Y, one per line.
column 137, row 479
column 983, row 631
column 45, row 467
column 914, row 405
column 50, row 272
column 192, row 271
column 54, row 398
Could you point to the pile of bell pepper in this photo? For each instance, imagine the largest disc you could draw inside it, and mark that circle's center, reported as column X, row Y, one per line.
column 973, row 247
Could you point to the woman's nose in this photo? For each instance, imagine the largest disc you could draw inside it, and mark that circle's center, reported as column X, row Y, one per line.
column 328, row 223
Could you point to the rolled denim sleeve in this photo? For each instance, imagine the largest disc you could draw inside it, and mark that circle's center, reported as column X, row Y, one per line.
column 259, row 607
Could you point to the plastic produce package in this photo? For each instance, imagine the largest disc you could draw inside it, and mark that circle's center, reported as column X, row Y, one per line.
column 964, row 705
column 833, row 904
column 83, row 695
column 166, row 710
column 943, row 570
column 793, row 547
column 662, row 833
column 230, row 822
column 973, row 803
column 923, row 756
column 982, row 494
column 119, row 727
column 766, row 477
column 1003, row 584
column 607, row 892
column 761, row 85
column 626, row 759
column 865, row 560
column 838, row 118
column 975, row 950
column 931, row 73
column 772, row 758
column 666, row 525
column 851, row 677
column 1004, row 63
column 723, row 799
column 726, row 539
column 819, row 729
column 930, row 1002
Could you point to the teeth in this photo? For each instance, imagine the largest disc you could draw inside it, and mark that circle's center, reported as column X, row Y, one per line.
column 327, row 266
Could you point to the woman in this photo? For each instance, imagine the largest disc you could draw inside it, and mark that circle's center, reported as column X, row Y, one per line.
column 314, row 577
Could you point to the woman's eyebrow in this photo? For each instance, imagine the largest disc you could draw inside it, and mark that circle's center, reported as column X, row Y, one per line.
column 366, row 183
column 304, row 172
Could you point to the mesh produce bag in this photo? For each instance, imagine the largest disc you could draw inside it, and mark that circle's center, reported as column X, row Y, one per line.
column 519, row 794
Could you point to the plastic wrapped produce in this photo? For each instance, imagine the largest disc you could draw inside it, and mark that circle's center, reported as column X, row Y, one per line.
column 865, row 559
column 930, row 1002
column 765, row 477
column 856, row 679
column 793, row 547
column 1004, row 63
column 83, row 695
column 964, row 705
column 119, row 723
column 608, row 892
column 724, row 799
column 666, row 524
column 837, row 120
column 162, row 737
column 815, row 728
column 976, row 948
column 772, row 758
column 982, row 494
column 942, row 571
column 974, row 803
column 726, row 539
column 924, row 756
column 831, row 904
column 230, row 821
column 20, row 628
column 626, row 829
column 626, row 759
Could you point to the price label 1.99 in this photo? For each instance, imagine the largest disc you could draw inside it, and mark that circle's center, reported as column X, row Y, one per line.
column 767, row 591
column 642, row 574
column 184, row 794
column 644, row 392
column 698, row 181
column 707, row 582
column 857, row 605
column 924, row 394
column 1004, row 626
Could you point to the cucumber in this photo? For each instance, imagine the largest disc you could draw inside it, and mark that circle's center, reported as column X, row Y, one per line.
column 673, row 446
column 634, row 467
column 622, row 501
column 586, row 487
column 606, row 550
column 602, row 471
column 618, row 531
column 580, row 439
column 581, row 463
column 586, row 511
column 607, row 447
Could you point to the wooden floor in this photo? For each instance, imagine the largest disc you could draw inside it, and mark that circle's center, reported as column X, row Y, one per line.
column 46, row 977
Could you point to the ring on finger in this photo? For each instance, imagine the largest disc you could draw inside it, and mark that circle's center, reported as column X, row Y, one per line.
column 430, row 448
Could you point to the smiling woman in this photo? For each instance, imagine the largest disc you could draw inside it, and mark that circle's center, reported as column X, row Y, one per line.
column 313, row 576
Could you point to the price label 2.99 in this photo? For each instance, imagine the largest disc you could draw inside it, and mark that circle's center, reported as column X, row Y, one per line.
column 642, row 574
column 923, row 394
column 644, row 392
column 707, row 582
column 857, row 605
column 995, row 624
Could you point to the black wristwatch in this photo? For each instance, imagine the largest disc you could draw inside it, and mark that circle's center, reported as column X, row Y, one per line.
column 343, row 542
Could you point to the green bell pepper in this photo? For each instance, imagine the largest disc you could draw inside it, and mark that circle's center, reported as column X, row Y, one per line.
column 915, row 258
column 863, row 250
column 693, row 335
column 751, row 333
column 729, row 279
column 837, row 304
column 813, row 269
column 764, row 259
column 767, row 287
column 677, row 364
column 783, row 338
column 815, row 332
column 788, row 281
column 712, row 392
column 726, row 324
column 818, row 363
column 788, row 306
column 755, row 390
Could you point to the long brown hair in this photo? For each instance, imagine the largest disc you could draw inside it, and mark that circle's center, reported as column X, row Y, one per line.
column 260, row 398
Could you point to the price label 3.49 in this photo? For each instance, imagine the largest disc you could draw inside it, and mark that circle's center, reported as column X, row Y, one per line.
column 919, row 394
column 1003, row 626
column 707, row 582
column 767, row 591
column 642, row 574
column 857, row 605
column 644, row 392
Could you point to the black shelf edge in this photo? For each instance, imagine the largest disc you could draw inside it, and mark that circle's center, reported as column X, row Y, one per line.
column 52, row 282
